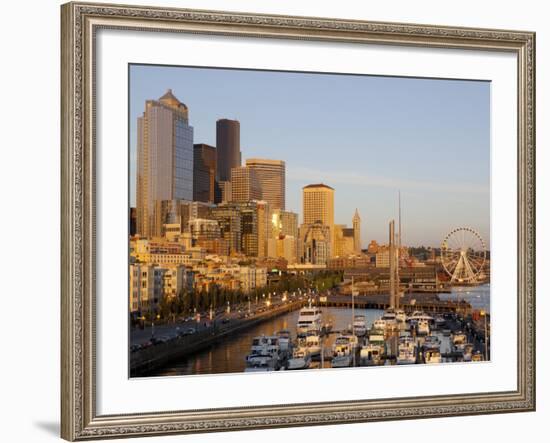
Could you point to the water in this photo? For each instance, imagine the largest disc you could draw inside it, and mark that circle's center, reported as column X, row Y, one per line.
column 229, row 354
column 478, row 296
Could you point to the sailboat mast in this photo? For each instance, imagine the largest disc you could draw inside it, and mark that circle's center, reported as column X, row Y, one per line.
column 398, row 282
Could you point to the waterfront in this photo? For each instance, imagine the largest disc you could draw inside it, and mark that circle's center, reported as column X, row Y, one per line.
column 478, row 296
column 229, row 355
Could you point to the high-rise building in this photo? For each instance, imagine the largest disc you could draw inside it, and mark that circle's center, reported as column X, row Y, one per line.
column 314, row 243
column 357, row 232
column 271, row 176
column 318, row 207
column 245, row 185
column 164, row 157
column 229, row 219
column 284, row 222
column 318, row 204
column 204, row 172
column 228, row 147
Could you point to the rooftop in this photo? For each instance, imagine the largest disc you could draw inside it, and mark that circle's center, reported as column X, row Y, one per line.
column 318, row 185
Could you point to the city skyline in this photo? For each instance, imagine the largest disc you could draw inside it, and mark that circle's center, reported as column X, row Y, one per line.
column 441, row 188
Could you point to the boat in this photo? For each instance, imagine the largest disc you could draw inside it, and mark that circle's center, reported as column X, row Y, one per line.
column 360, row 325
column 313, row 344
column 431, row 342
column 373, row 352
column 343, row 350
column 417, row 316
column 468, row 352
column 379, row 324
column 400, row 316
column 458, row 340
column 309, row 319
column 285, row 342
column 264, row 354
column 432, row 356
column 389, row 317
column 301, row 359
column 406, row 354
column 439, row 321
column 422, row 327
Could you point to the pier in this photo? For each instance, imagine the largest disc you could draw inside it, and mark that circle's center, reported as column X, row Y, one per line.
column 409, row 303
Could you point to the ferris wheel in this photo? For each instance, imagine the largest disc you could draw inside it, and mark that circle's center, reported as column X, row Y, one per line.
column 463, row 255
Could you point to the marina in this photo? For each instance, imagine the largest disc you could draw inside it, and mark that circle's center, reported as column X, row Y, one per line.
column 339, row 337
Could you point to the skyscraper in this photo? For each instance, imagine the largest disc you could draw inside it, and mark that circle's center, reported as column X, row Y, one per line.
column 318, row 208
column 318, row 204
column 165, row 157
column 357, row 232
column 204, row 172
column 228, row 147
column 245, row 185
column 271, row 175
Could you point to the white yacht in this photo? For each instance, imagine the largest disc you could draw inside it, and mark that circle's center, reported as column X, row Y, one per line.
column 417, row 316
column 344, row 349
column 313, row 345
column 400, row 316
column 360, row 325
column 406, row 351
column 423, row 327
column 285, row 343
column 373, row 352
column 390, row 317
column 431, row 342
column 264, row 354
column 379, row 324
column 309, row 320
column 459, row 341
column 301, row 359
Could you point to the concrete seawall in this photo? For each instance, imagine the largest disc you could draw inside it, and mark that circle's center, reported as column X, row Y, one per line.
column 146, row 360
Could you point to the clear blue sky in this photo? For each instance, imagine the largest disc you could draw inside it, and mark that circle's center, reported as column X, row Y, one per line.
column 365, row 136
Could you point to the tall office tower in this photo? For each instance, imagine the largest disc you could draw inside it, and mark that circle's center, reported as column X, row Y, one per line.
column 314, row 244
column 271, row 175
column 357, row 232
column 164, row 157
column 204, row 172
column 228, row 147
column 318, row 204
column 245, row 185
column 318, row 207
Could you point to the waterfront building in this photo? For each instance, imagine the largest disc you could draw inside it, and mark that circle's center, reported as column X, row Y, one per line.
column 204, row 172
column 318, row 207
column 245, row 185
column 145, row 288
column 357, row 232
column 271, row 177
column 164, row 158
column 150, row 284
column 228, row 147
column 252, row 278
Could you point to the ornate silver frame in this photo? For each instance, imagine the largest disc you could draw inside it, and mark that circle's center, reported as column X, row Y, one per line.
column 80, row 21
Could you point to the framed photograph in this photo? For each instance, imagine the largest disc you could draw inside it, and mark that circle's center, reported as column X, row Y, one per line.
column 284, row 221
